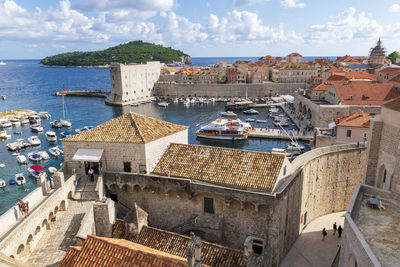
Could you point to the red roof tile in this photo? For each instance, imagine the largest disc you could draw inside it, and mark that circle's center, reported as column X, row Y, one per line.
column 395, row 79
column 361, row 75
column 109, row 252
column 322, row 87
column 390, row 71
column 334, row 69
column 365, row 93
column 336, row 78
column 357, row 119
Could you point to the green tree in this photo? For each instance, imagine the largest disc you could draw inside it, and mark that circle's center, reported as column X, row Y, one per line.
column 392, row 56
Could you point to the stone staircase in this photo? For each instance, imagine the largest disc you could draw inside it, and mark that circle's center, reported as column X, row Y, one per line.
column 86, row 190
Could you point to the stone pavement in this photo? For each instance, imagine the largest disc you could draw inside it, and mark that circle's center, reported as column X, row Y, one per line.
column 56, row 241
column 309, row 250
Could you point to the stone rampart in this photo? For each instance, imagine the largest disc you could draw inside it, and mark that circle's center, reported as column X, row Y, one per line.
column 225, row 90
column 26, row 233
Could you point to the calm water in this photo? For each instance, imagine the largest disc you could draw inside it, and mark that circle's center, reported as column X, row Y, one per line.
column 29, row 86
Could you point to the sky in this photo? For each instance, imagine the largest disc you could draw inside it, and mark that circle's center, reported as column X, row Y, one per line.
column 33, row 29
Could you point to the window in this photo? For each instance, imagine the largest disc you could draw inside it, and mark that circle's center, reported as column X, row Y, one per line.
column 365, row 135
column 209, row 205
column 348, row 133
column 258, row 246
column 127, row 167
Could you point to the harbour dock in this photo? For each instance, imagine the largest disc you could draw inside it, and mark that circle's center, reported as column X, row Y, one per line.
column 95, row 93
column 278, row 134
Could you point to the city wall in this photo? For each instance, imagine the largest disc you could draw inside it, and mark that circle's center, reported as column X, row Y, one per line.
column 225, row 90
column 319, row 182
column 22, row 237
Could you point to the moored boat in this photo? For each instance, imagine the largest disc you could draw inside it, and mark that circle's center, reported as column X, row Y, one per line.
column 4, row 123
column 52, row 169
column 44, row 115
column 20, row 179
column 228, row 114
column 250, row 120
column 54, row 151
column 34, row 119
column 36, row 170
column 34, row 156
column 222, row 129
column 4, row 135
column 3, row 184
column 56, row 124
column 34, row 141
column 65, row 134
column 163, row 104
column 251, row 111
column 36, row 128
column 44, row 155
column 51, row 136
column 21, row 159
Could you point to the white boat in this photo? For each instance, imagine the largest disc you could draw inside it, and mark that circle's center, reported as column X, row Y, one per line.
column 56, row 124
column 250, row 120
column 186, row 103
column 36, row 128
column 51, row 136
column 135, row 104
column 34, row 141
column 55, row 151
column 295, row 146
column 228, row 114
column 286, row 152
column 34, row 156
column 34, row 119
column 222, row 129
column 163, row 104
column 176, row 100
column 15, row 122
column 24, row 121
column 4, row 97
column 64, row 122
column 21, row 159
column 281, row 123
column 4, row 135
column 2, row 63
column 261, row 121
column 3, row 184
column 251, row 111
column 44, row 115
column 36, row 170
column 44, row 155
column 52, row 169
column 4, row 123
column 20, row 179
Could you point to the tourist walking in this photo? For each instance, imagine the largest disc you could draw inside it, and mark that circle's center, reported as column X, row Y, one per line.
column 340, row 230
column 324, row 233
column 91, row 174
column 21, row 207
column 26, row 208
column 334, row 228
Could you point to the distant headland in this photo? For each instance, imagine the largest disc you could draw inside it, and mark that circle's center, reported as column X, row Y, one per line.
column 132, row 52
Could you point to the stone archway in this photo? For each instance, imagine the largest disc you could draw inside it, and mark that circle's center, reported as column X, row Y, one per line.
column 28, row 241
column 37, row 230
column 51, row 217
column 55, row 210
column 69, row 196
column 309, row 114
column 46, row 223
column 62, row 206
column 21, row 248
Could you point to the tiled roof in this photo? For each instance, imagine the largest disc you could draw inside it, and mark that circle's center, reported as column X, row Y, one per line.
column 72, row 252
column 348, row 58
column 395, row 79
column 336, row 78
column 128, row 128
column 212, row 254
column 107, row 252
column 393, row 104
column 390, row 71
column 365, row 93
column 361, row 75
column 357, row 119
column 334, row 69
column 230, row 167
column 322, row 87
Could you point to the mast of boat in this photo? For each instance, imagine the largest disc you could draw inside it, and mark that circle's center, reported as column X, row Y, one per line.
column 63, row 101
column 246, row 92
column 291, row 139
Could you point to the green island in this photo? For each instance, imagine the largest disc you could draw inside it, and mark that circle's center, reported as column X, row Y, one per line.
column 132, row 52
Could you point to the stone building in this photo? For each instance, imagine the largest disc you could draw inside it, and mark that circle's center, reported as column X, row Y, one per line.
column 294, row 58
column 129, row 143
column 132, row 82
column 377, row 55
column 383, row 168
column 293, row 72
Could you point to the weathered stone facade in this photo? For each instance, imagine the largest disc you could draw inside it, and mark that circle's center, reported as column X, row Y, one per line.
column 225, row 90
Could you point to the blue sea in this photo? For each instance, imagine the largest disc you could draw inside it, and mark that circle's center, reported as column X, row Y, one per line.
column 27, row 85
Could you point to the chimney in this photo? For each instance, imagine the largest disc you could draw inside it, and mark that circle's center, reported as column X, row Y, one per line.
column 193, row 251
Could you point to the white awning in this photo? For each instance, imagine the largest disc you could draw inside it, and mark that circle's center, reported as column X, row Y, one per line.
column 332, row 125
column 90, row 155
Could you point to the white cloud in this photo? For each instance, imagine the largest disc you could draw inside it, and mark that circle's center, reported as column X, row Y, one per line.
column 347, row 25
column 292, row 3
column 237, row 3
column 395, row 8
column 108, row 5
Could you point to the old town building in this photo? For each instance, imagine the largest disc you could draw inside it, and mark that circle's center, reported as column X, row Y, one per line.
column 293, row 72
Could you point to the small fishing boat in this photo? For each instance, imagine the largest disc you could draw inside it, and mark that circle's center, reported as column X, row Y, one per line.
column 228, row 114
column 66, row 123
column 52, row 169
column 34, row 156
column 34, row 119
column 51, row 136
column 281, row 123
column 4, row 123
column 44, row 155
column 36, row 128
column 21, row 159
column 135, row 104
column 55, row 151
column 17, row 145
column 4, row 97
column 44, row 115
column 295, row 146
column 251, row 111
column 250, row 120
column 15, row 122
column 36, row 170
column 4, row 135
column 20, row 179
column 163, row 104
column 261, row 121
column 65, row 134
column 34, row 141
column 81, row 130
column 18, row 132
column 2, row 63
column 2, row 165
column 3, row 184
column 56, row 124
column 12, row 182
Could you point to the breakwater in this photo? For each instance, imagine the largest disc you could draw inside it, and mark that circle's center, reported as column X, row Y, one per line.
column 225, row 90
column 96, row 93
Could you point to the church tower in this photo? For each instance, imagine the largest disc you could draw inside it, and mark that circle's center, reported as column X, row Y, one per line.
column 377, row 54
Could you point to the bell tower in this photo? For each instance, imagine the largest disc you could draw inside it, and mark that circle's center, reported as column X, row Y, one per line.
column 377, row 54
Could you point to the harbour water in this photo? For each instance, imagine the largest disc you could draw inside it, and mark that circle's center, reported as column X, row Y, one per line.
column 29, row 86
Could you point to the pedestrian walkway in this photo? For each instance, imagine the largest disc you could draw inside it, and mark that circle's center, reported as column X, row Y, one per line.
column 278, row 134
column 309, row 249
column 55, row 242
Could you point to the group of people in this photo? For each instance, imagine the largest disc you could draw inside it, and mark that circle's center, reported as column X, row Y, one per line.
column 23, row 207
column 335, row 229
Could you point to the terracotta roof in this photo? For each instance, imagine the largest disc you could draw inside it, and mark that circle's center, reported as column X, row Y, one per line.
column 352, row 75
column 334, row 69
column 395, row 79
column 357, row 119
column 231, row 167
column 348, row 59
column 102, row 251
column 128, row 128
column 393, row 104
column 336, row 78
column 365, row 93
column 72, row 252
column 390, row 71
column 172, row 243
column 322, row 87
